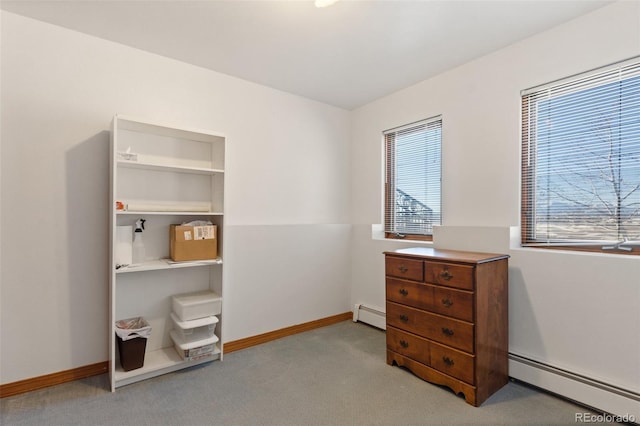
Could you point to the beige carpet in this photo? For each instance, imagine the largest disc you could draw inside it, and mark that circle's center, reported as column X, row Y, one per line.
column 335, row 375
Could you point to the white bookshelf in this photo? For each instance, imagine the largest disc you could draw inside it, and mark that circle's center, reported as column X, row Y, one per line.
column 166, row 175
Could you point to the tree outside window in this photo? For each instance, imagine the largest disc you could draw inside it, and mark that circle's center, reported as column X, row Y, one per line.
column 581, row 162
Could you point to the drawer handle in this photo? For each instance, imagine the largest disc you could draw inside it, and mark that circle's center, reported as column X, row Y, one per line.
column 447, row 331
column 403, row 292
column 404, row 344
column 446, row 275
column 447, row 302
column 404, row 318
column 403, row 268
column 448, row 361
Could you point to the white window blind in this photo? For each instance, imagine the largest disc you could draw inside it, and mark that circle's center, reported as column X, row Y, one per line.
column 413, row 175
column 581, row 159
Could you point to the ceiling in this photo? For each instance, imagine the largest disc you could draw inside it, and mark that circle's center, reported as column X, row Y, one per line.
column 345, row 55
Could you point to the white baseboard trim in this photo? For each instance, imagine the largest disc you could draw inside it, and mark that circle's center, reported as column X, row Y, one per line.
column 603, row 397
column 622, row 404
column 370, row 315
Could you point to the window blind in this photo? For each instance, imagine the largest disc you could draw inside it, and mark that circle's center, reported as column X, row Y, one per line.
column 412, row 179
column 581, row 159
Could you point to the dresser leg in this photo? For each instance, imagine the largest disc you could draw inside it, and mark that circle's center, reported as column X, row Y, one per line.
column 470, row 397
column 390, row 360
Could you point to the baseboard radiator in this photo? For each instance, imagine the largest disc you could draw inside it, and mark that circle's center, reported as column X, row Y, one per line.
column 623, row 405
column 370, row 315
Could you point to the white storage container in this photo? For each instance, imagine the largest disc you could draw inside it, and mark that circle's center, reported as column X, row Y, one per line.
column 201, row 304
column 187, row 328
column 197, row 346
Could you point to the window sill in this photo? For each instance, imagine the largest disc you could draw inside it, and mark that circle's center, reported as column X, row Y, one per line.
column 580, row 250
column 377, row 234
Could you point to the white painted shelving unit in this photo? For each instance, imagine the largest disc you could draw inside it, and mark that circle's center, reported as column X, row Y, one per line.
column 166, row 175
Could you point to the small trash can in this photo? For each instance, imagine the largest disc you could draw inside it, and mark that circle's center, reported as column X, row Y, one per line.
column 132, row 335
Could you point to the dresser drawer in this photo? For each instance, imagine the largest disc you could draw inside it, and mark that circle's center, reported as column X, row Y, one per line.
column 453, row 303
column 449, row 274
column 452, row 362
column 409, row 293
column 442, row 300
column 407, row 344
column 452, row 332
column 408, row 269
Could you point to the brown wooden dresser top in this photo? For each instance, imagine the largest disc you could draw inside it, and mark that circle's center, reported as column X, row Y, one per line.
column 448, row 255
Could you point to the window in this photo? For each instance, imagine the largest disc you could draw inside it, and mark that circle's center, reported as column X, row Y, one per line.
column 581, row 161
column 412, row 180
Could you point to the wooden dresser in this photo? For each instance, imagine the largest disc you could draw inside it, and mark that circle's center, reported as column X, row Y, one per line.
column 447, row 318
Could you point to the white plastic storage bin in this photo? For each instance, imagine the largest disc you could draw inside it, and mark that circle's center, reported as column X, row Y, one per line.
column 197, row 346
column 200, row 325
column 201, row 304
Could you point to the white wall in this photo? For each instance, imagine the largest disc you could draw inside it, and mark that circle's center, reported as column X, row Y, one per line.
column 288, row 250
column 579, row 312
column 287, row 161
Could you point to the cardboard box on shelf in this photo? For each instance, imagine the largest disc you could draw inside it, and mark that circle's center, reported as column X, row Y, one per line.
column 193, row 242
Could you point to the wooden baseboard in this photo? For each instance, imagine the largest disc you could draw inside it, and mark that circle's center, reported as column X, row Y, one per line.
column 53, row 379
column 40, row 382
column 237, row 345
